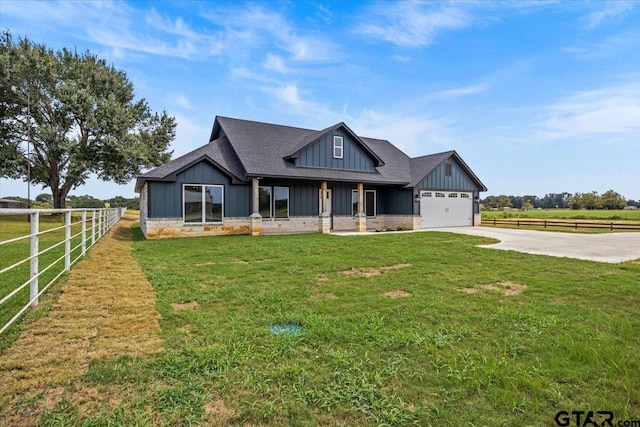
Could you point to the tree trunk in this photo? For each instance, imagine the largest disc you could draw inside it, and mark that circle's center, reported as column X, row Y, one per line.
column 59, row 198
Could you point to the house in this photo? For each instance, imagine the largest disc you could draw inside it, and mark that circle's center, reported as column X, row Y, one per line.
column 259, row 178
column 11, row 204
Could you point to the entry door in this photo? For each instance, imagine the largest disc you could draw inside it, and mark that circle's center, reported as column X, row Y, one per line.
column 329, row 204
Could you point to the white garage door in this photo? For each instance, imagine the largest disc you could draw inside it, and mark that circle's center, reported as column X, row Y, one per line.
column 446, row 208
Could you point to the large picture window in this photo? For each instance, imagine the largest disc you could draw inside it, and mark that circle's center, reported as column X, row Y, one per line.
column 203, row 204
column 264, row 196
column 281, row 202
column 369, row 202
column 274, row 202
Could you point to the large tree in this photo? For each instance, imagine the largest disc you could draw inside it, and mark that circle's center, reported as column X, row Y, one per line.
column 76, row 115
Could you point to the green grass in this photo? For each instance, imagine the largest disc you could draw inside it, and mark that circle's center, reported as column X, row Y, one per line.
column 16, row 226
column 437, row 357
column 611, row 215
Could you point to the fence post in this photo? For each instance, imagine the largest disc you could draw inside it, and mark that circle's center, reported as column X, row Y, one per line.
column 34, row 243
column 67, row 240
column 93, row 227
column 100, row 224
column 545, row 223
column 611, row 226
column 84, row 232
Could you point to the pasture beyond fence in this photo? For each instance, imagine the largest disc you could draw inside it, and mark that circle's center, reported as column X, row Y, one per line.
column 603, row 225
column 59, row 247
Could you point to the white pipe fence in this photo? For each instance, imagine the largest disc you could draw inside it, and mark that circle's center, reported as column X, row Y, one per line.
column 90, row 230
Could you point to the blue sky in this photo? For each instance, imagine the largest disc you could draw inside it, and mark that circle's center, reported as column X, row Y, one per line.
column 537, row 97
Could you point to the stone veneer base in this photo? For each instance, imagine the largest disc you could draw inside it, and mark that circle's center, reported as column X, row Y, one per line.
column 174, row 227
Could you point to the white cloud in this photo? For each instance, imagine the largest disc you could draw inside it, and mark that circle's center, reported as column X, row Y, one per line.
column 276, row 63
column 416, row 135
column 260, row 27
column 614, row 46
column 606, row 112
column 412, row 24
column 183, row 101
column 190, row 134
column 461, row 92
column 610, row 10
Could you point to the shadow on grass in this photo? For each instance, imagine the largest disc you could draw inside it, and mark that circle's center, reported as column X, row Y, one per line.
column 136, row 233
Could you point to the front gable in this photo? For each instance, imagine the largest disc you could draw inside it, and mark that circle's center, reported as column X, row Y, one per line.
column 456, row 179
column 318, row 151
column 319, row 154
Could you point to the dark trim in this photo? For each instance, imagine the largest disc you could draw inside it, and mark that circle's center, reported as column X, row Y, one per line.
column 332, row 179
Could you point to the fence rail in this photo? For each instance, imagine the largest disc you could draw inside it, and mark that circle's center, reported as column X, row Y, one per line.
column 604, row 225
column 91, row 225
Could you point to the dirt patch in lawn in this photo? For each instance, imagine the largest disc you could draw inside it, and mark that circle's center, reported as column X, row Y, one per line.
column 396, row 294
column 219, row 409
column 106, row 309
column 507, row 287
column 373, row 272
column 185, row 305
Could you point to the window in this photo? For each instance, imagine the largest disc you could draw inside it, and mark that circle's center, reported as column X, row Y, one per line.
column 439, row 194
column 453, row 195
column 264, row 202
column 426, row 194
column 369, row 203
column 338, row 147
column 447, row 169
column 464, row 195
column 273, row 202
column 281, row 202
column 203, row 204
column 354, row 202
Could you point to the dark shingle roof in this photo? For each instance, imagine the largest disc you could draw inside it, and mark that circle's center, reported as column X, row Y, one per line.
column 262, row 149
column 245, row 149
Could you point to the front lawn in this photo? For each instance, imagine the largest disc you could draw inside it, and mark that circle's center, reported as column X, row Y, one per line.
column 392, row 329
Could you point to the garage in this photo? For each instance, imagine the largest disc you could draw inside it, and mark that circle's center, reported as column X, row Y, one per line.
column 446, row 208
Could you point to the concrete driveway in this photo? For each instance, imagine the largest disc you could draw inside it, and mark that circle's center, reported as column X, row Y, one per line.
column 609, row 247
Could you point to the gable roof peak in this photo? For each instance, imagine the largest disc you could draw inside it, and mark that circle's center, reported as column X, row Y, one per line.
column 314, row 136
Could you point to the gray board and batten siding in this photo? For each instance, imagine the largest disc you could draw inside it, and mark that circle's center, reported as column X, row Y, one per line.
column 165, row 198
column 458, row 181
column 304, row 197
column 319, row 154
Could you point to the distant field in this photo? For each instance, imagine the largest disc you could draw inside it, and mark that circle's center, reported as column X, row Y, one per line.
column 566, row 214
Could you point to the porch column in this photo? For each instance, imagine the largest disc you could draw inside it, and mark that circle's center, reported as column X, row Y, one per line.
column 255, row 219
column 361, row 217
column 324, row 221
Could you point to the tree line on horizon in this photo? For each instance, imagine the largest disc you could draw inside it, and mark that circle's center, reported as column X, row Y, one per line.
column 607, row 200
